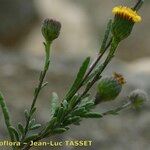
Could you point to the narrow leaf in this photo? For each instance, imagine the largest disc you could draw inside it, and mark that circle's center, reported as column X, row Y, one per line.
column 33, row 111
column 31, row 137
column 60, row 113
column 26, row 113
column 72, row 120
column 74, row 100
column 54, row 103
column 44, row 84
column 36, row 126
column 79, row 111
column 58, row 130
column 106, row 36
column 79, row 78
column 92, row 115
column 31, row 123
column 21, row 128
column 15, row 132
column 51, row 124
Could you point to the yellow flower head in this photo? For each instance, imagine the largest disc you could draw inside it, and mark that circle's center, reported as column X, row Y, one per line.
column 127, row 13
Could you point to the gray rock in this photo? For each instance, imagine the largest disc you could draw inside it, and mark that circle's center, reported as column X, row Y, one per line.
column 17, row 18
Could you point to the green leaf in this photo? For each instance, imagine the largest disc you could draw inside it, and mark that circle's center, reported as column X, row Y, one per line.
column 93, row 74
column 32, row 111
column 78, row 79
column 31, row 137
column 65, row 104
column 87, row 104
column 73, row 101
column 36, row 126
column 58, row 130
column 31, row 123
column 51, row 124
column 92, row 115
column 79, row 111
column 21, row 128
column 54, row 103
column 60, row 113
column 72, row 120
column 44, row 84
column 106, row 36
column 26, row 113
column 15, row 133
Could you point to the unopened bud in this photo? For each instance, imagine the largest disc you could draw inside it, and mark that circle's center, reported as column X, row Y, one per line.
column 51, row 29
column 137, row 98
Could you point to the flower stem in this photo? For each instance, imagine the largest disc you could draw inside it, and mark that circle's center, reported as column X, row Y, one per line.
column 113, row 48
column 138, row 5
column 39, row 87
column 116, row 110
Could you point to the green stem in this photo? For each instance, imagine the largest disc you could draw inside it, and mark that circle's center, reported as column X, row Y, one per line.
column 116, row 110
column 6, row 116
column 39, row 87
column 138, row 5
column 113, row 48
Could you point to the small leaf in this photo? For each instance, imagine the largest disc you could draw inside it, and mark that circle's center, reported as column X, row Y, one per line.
column 73, row 101
column 87, row 104
column 106, row 36
column 21, row 128
column 15, row 133
column 60, row 113
column 58, row 130
column 51, row 124
column 72, row 120
column 78, row 79
column 93, row 74
column 32, row 111
column 44, row 84
column 54, row 103
column 36, row 126
column 31, row 137
column 65, row 104
column 92, row 115
column 31, row 123
column 26, row 113
column 79, row 111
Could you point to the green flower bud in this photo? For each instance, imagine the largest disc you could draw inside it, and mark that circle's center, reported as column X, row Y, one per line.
column 50, row 29
column 109, row 88
column 124, row 20
column 137, row 98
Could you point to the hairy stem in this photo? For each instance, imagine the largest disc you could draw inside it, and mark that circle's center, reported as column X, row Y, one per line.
column 39, row 87
column 113, row 48
column 138, row 5
column 117, row 110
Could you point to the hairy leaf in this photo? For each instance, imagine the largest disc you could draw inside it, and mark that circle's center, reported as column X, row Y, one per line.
column 78, row 79
column 54, row 103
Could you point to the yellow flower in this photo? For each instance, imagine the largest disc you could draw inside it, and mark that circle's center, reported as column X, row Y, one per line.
column 127, row 13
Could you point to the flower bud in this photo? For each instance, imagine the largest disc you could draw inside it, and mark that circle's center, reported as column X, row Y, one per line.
column 50, row 29
column 137, row 98
column 124, row 20
column 109, row 88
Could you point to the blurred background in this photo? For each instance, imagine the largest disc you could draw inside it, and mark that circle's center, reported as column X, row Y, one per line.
column 83, row 26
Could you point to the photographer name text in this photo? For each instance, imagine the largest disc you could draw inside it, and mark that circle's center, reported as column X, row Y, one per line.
column 73, row 143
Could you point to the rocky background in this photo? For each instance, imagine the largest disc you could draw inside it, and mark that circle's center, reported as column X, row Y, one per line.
column 83, row 25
